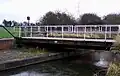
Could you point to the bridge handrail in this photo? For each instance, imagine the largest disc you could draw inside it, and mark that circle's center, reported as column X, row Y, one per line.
column 7, row 31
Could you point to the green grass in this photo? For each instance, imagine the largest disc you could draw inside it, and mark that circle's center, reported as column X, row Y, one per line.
column 5, row 34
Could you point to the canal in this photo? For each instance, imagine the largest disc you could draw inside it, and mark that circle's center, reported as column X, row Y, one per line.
column 65, row 67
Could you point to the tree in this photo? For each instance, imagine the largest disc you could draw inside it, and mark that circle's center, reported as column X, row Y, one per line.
column 57, row 18
column 7, row 23
column 14, row 23
column 112, row 19
column 4, row 22
column 90, row 19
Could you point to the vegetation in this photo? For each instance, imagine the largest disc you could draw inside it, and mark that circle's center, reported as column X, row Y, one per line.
column 5, row 34
column 58, row 18
column 77, row 36
column 114, row 67
column 30, row 52
column 90, row 19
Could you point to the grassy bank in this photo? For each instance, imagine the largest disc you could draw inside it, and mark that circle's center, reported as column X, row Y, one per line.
column 5, row 34
column 31, row 52
column 114, row 67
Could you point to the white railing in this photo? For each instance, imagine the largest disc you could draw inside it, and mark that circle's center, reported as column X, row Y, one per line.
column 62, row 31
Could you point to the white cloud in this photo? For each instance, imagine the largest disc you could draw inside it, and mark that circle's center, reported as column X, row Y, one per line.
column 19, row 9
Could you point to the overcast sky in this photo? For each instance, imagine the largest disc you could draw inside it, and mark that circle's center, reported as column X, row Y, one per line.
column 19, row 9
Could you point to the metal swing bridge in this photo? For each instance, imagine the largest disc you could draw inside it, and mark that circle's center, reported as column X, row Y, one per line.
column 76, row 36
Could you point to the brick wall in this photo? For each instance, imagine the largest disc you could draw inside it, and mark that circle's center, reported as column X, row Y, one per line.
column 6, row 44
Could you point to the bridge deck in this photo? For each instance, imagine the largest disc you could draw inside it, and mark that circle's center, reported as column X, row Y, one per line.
column 72, row 39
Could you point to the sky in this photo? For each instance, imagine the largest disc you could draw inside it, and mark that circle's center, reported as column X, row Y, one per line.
column 18, row 10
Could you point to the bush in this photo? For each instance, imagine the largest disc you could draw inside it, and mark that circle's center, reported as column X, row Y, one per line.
column 114, row 69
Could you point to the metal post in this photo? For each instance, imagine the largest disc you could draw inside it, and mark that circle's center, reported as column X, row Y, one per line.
column 14, row 29
column 72, row 29
column 25, row 30
column 77, row 31
column 91, row 30
column 95, row 32
column 110, row 32
column 85, row 32
column 19, row 31
column 31, row 32
column 105, row 31
column 118, row 31
column 62, row 31
column 38, row 30
column 51, row 30
column 47, row 31
column 101, row 29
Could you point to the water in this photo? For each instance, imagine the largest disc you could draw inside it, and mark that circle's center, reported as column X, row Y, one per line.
column 104, row 58
column 54, row 68
column 102, row 63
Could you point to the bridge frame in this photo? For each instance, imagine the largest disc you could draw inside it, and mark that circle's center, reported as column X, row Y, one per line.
column 95, row 43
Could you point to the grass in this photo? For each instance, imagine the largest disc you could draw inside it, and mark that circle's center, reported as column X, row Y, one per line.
column 81, row 35
column 114, row 69
column 30, row 52
column 5, row 34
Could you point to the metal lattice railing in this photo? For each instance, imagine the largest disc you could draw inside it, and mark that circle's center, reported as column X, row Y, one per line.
column 70, row 31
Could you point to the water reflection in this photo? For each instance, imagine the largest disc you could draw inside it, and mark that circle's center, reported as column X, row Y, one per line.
column 102, row 63
column 31, row 74
column 54, row 68
column 104, row 58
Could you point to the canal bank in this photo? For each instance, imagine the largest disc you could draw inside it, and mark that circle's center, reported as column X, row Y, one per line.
column 13, row 58
column 63, row 67
column 6, row 43
column 10, row 61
